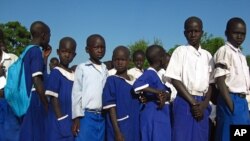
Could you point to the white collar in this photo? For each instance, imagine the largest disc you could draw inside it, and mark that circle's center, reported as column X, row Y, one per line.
column 194, row 50
column 150, row 68
column 68, row 75
column 5, row 56
column 131, row 81
column 233, row 48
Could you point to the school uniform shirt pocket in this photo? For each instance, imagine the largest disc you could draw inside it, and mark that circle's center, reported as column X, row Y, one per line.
column 123, row 123
column 64, row 126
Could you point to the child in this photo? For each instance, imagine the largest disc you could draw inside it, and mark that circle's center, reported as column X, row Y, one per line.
column 154, row 117
column 232, row 79
column 53, row 63
column 90, row 78
column 32, row 128
column 190, row 70
column 122, row 106
column 59, row 89
column 9, row 122
column 138, row 59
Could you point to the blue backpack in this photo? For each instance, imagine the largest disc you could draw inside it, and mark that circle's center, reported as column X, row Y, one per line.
column 15, row 91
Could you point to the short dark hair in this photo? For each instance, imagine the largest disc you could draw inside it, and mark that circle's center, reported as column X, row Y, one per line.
column 123, row 48
column 54, row 59
column 153, row 53
column 138, row 52
column 37, row 28
column 94, row 36
column 64, row 39
column 193, row 19
column 233, row 21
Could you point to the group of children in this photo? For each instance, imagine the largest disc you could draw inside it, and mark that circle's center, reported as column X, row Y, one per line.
column 169, row 101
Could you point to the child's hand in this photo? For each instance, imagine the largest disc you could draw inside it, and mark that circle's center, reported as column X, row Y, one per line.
column 76, row 126
column 119, row 137
column 47, row 51
column 162, row 96
column 197, row 111
column 142, row 99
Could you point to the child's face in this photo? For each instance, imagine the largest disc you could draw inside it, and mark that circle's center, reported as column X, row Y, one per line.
column 236, row 34
column 193, row 33
column 96, row 50
column 66, row 53
column 139, row 61
column 121, row 61
column 166, row 61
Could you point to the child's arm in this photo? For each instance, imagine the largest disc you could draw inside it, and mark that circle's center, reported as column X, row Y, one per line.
column 56, row 107
column 118, row 134
column 224, row 91
column 162, row 95
column 38, row 84
column 183, row 92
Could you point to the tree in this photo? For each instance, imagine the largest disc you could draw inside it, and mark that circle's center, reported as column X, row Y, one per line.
column 248, row 60
column 142, row 45
column 16, row 36
column 211, row 44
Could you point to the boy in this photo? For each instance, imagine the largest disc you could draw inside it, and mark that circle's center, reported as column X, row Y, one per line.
column 53, row 63
column 59, row 89
column 122, row 119
column 32, row 128
column 9, row 123
column 190, row 69
column 138, row 59
column 232, row 79
column 90, row 78
column 154, row 117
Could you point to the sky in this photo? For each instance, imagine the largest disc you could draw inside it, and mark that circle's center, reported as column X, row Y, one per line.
column 123, row 22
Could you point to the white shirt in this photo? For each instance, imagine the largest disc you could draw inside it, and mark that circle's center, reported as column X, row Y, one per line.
column 192, row 67
column 87, row 88
column 7, row 60
column 135, row 72
column 112, row 72
column 165, row 80
column 236, row 71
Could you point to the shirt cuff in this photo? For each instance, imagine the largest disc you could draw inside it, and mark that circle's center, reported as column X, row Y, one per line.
column 61, row 118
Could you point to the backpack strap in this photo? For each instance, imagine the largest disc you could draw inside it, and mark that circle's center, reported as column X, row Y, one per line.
column 25, row 50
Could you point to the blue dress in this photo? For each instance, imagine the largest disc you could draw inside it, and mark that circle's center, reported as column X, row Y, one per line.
column 32, row 128
column 118, row 93
column 154, row 123
column 60, row 85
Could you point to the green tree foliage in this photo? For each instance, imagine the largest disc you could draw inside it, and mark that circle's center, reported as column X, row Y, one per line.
column 210, row 43
column 141, row 45
column 248, row 60
column 16, row 36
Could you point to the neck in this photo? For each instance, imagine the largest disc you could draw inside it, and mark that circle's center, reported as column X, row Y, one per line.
column 98, row 62
column 123, row 74
column 156, row 67
column 65, row 67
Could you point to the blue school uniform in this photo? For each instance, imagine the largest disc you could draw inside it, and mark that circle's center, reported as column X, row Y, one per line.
column 32, row 128
column 60, row 85
column 118, row 93
column 154, row 123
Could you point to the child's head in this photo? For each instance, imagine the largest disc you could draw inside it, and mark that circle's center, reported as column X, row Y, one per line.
column 53, row 63
column 167, row 57
column 96, row 48
column 236, row 31
column 155, row 56
column 193, row 31
column 138, row 59
column 66, row 51
column 109, row 64
column 40, row 33
column 120, row 59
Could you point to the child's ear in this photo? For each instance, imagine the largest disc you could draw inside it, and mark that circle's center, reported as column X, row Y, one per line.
column 87, row 49
column 57, row 51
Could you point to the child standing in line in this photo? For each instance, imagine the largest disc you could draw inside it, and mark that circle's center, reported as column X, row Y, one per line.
column 138, row 59
column 155, row 116
column 32, row 128
column 190, row 69
column 90, row 78
column 119, row 100
column 59, row 89
column 232, row 79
